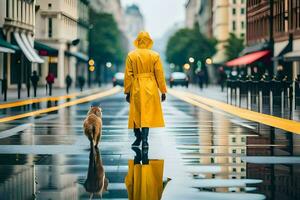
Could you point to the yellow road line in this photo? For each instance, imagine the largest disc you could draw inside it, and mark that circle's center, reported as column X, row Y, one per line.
column 277, row 122
column 63, row 105
column 43, row 99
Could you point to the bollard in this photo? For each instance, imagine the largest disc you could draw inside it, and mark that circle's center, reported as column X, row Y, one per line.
column 249, row 100
column 271, row 102
column 282, row 102
column 260, row 101
column 238, row 97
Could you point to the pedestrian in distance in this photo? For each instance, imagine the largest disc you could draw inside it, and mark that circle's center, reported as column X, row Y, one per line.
column 69, row 81
column 34, row 81
column 144, row 78
column 81, row 82
column 222, row 78
column 200, row 75
column 50, row 81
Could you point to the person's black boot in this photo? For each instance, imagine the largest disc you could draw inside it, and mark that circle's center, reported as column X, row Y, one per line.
column 145, row 159
column 145, row 132
column 138, row 135
column 138, row 155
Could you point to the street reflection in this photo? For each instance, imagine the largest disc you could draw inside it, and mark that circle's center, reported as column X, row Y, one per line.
column 144, row 180
column 96, row 182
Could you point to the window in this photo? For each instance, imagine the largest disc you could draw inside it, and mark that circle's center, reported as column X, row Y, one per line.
column 234, row 169
column 233, row 11
column 242, row 169
column 234, row 160
column 243, row 139
column 234, row 151
column 50, row 26
column 49, row 5
column 234, row 1
column 233, row 28
column 212, row 160
column 243, row 11
column 243, row 25
column 242, row 1
column 233, row 139
column 243, row 151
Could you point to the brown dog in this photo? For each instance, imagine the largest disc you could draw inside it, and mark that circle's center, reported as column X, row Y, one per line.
column 93, row 125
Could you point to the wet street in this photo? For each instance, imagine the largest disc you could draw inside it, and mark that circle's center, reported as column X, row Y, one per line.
column 207, row 153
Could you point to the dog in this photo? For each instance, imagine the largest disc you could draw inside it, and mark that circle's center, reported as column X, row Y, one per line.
column 93, row 125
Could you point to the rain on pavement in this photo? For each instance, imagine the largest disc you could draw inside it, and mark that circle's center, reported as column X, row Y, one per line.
column 208, row 155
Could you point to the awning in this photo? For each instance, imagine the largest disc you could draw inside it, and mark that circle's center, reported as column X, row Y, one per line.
column 28, row 41
column 287, row 48
column 255, row 48
column 248, row 59
column 27, row 48
column 6, row 50
column 6, row 47
column 45, row 50
column 78, row 55
column 292, row 56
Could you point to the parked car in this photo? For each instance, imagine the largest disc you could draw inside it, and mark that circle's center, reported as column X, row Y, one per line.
column 118, row 79
column 179, row 78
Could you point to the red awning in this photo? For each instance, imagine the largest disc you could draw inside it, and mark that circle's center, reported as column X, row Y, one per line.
column 248, row 59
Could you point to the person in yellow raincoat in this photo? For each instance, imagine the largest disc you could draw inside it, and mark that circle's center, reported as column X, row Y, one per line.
column 144, row 78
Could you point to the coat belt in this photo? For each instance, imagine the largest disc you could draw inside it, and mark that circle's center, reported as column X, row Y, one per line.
column 144, row 75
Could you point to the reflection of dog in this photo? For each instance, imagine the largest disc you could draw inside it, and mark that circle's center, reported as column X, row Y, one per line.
column 93, row 125
column 96, row 182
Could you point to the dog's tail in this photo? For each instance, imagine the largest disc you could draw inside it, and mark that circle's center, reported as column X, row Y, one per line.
column 91, row 135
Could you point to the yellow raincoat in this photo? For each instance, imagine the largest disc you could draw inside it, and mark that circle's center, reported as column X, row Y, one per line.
column 145, row 182
column 144, row 77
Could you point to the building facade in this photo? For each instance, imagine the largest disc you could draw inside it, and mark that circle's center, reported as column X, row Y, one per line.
column 276, row 23
column 63, row 26
column 134, row 23
column 199, row 11
column 192, row 9
column 228, row 16
column 17, row 23
column 113, row 7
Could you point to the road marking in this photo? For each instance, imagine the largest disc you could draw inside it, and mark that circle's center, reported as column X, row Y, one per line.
column 210, row 105
column 63, row 105
column 13, row 131
column 43, row 99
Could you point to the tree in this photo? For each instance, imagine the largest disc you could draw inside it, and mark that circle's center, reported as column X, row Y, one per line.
column 186, row 43
column 234, row 46
column 105, row 41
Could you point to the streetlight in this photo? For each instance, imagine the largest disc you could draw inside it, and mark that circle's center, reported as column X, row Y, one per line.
column 108, row 64
column 172, row 66
column 186, row 66
column 208, row 61
column 192, row 60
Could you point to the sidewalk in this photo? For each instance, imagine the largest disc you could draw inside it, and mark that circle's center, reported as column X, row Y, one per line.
column 12, row 94
column 214, row 92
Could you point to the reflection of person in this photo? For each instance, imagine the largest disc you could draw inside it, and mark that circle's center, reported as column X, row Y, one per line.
column 34, row 80
column 68, row 82
column 143, row 77
column 145, row 181
column 50, row 80
column 96, row 182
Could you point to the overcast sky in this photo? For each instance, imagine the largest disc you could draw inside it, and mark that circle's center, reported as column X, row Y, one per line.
column 159, row 15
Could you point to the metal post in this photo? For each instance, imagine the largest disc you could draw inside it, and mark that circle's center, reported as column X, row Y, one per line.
column 282, row 103
column 249, row 100
column 293, row 100
column 238, row 96
column 260, row 101
column 271, row 102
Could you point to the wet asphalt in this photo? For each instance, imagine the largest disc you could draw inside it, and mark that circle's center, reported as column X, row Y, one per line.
column 207, row 155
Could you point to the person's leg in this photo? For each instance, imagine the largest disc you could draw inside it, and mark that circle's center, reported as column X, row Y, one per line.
column 145, row 132
column 138, row 135
column 35, row 88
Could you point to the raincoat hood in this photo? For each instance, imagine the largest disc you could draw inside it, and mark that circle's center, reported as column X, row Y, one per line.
column 143, row 41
